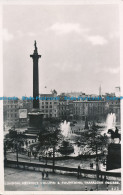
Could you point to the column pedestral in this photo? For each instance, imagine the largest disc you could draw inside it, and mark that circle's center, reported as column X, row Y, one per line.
column 35, row 116
column 35, row 58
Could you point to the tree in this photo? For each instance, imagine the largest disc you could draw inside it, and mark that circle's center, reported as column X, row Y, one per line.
column 50, row 140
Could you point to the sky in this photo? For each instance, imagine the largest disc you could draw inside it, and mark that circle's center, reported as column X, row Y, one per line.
column 78, row 44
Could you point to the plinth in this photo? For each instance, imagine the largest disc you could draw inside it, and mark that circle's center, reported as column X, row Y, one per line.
column 35, row 124
column 114, row 156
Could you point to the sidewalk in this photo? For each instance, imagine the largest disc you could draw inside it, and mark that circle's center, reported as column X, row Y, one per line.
column 21, row 180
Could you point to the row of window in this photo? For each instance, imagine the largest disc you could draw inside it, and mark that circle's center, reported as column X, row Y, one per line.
column 12, row 106
column 50, row 115
column 45, row 111
column 89, row 105
column 13, row 111
column 12, row 115
column 46, row 107
column 48, row 103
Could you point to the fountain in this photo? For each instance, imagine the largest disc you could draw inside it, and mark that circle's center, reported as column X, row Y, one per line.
column 65, row 128
column 111, row 121
column 66, row 147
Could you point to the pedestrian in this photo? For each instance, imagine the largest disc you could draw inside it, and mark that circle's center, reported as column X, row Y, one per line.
column 47, row 174
column 79, row 171
column 91, row 165
column 105, row 178
column 86, row 189
column 42, row 174
column 91, row 189
column 107, row 187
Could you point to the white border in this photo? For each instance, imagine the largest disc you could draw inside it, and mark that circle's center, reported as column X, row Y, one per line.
column 56, row 2
column 1, row 107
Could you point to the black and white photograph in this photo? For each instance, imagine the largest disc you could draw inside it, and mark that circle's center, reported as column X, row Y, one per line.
column 61, row 97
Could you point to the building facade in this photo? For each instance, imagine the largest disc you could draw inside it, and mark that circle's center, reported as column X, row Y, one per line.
column 54, row 106
column 49, row 104
column 93, row 110
column 10, row 112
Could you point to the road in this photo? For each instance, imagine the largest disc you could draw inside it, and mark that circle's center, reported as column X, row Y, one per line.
column 22, row 180
column 84, row 163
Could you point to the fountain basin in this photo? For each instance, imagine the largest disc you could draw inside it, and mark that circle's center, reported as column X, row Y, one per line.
column 66, row 148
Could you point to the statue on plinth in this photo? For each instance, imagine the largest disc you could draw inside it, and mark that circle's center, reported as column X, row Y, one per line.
column 35, row 45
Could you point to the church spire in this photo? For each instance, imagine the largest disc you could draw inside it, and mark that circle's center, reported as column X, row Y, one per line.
column 100, row 90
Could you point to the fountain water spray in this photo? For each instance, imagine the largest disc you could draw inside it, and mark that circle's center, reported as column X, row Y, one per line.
column 65, row 128
column 111, row 121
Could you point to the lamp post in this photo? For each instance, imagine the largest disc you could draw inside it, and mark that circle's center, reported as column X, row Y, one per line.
column 46, row 158
column 53, row 158
column 17, row 147
column 53, row 142
column 105, row 155
column 17, row 153
column 30, row 154
column 5, row 157
column 97, row 160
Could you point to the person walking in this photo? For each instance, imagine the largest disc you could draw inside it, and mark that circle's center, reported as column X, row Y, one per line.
column 79, row 171
column 47, row 175
column 42, row 174
column 86, row 189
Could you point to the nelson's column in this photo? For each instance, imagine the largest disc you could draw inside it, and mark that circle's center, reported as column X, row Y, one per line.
column 35, row 117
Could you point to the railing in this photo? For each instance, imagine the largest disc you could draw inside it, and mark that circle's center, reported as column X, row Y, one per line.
column 27, row 165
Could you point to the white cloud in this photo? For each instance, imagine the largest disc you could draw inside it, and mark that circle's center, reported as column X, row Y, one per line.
column 31, row 34
column 113, row 70
column 7, row 36
column 108, row 70
column 114, row 35
column 66, row 28
column 19, row 33
column 97, row 40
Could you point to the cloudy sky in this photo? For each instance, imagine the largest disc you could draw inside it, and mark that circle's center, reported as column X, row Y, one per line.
column 79, row 45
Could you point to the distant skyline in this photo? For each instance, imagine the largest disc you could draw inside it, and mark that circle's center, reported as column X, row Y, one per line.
column 79, row 44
